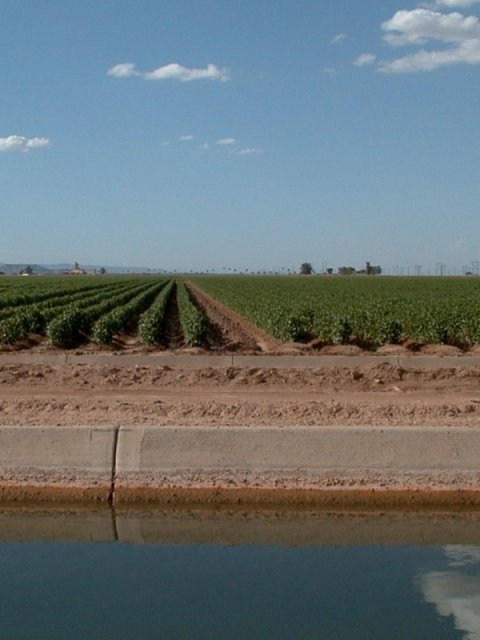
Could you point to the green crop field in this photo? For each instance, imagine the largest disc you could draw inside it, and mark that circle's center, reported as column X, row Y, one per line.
column 369, row 311
column 65, row 311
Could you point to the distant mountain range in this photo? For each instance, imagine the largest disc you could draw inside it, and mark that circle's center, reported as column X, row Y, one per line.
column 45, row 269
column 13, row 269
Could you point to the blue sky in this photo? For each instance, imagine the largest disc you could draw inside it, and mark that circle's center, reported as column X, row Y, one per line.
column 252, row 135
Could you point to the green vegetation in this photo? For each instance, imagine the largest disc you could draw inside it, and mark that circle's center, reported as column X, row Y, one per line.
column 113, row 321
column 306, row 269
column 60, row 308
column 66, row 329
column 195, row 326
column 331, row 310
column 151, row 321
column 366, row 311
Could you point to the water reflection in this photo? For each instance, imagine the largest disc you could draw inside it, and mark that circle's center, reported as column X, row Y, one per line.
column 241, row 526
column 214, row 574
column 456, row 592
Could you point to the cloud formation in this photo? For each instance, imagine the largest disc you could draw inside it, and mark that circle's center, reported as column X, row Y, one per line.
column 249, row 151
column 439, row 34
column 455, row 4
column 456, row 595
column 339, row 38
column 365, row 59
column 459, row 35
column 173, row 71
column 227, row 145
column 461, row 555
column 21, row 143
column 418, row 26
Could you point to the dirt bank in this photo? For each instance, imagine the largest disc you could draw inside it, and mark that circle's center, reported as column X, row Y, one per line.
column 379, row 394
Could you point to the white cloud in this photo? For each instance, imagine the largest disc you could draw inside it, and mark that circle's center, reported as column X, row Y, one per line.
column 460, row 555
column 455, row 4
column 339, row 38
column 173, row 71
column 418, row 26
column 249, row 151
column 36, row 143
column 431, row 60
column 123, row 70
column 329, row 70
column 459, row 34
column 456, row 595
column 176, row 71
column 226, row 141
column 365, row 59
column 204, row 147
column 186, row 138
column 20, row 143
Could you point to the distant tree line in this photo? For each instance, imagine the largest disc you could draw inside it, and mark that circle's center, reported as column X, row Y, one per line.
column 307, row 269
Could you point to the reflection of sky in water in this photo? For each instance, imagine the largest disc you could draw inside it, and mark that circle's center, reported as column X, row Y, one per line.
column 52, row 591
column 457, row 592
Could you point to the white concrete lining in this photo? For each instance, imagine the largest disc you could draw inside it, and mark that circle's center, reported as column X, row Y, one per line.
column 57, row 456
column 322, row 458
column 171, row 449
column 119, row 462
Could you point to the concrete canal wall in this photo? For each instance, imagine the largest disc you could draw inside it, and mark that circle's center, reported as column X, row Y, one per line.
column 53, row 462
column 414, row 361
column 376, row 466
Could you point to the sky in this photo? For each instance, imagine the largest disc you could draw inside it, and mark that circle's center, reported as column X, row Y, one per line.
column 217, row 134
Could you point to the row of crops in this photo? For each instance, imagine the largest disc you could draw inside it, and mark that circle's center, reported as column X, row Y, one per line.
column 67, row 312
column 368, row 311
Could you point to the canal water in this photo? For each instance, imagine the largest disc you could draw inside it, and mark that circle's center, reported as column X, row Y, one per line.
column 238, row 575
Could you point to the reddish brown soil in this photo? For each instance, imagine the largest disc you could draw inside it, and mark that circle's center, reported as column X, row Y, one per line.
column 110, row 395
column 235, row 333
column 158, row 395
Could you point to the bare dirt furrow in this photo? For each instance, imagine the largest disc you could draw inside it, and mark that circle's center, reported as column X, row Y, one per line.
column 172, row 336
column 237, row 332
